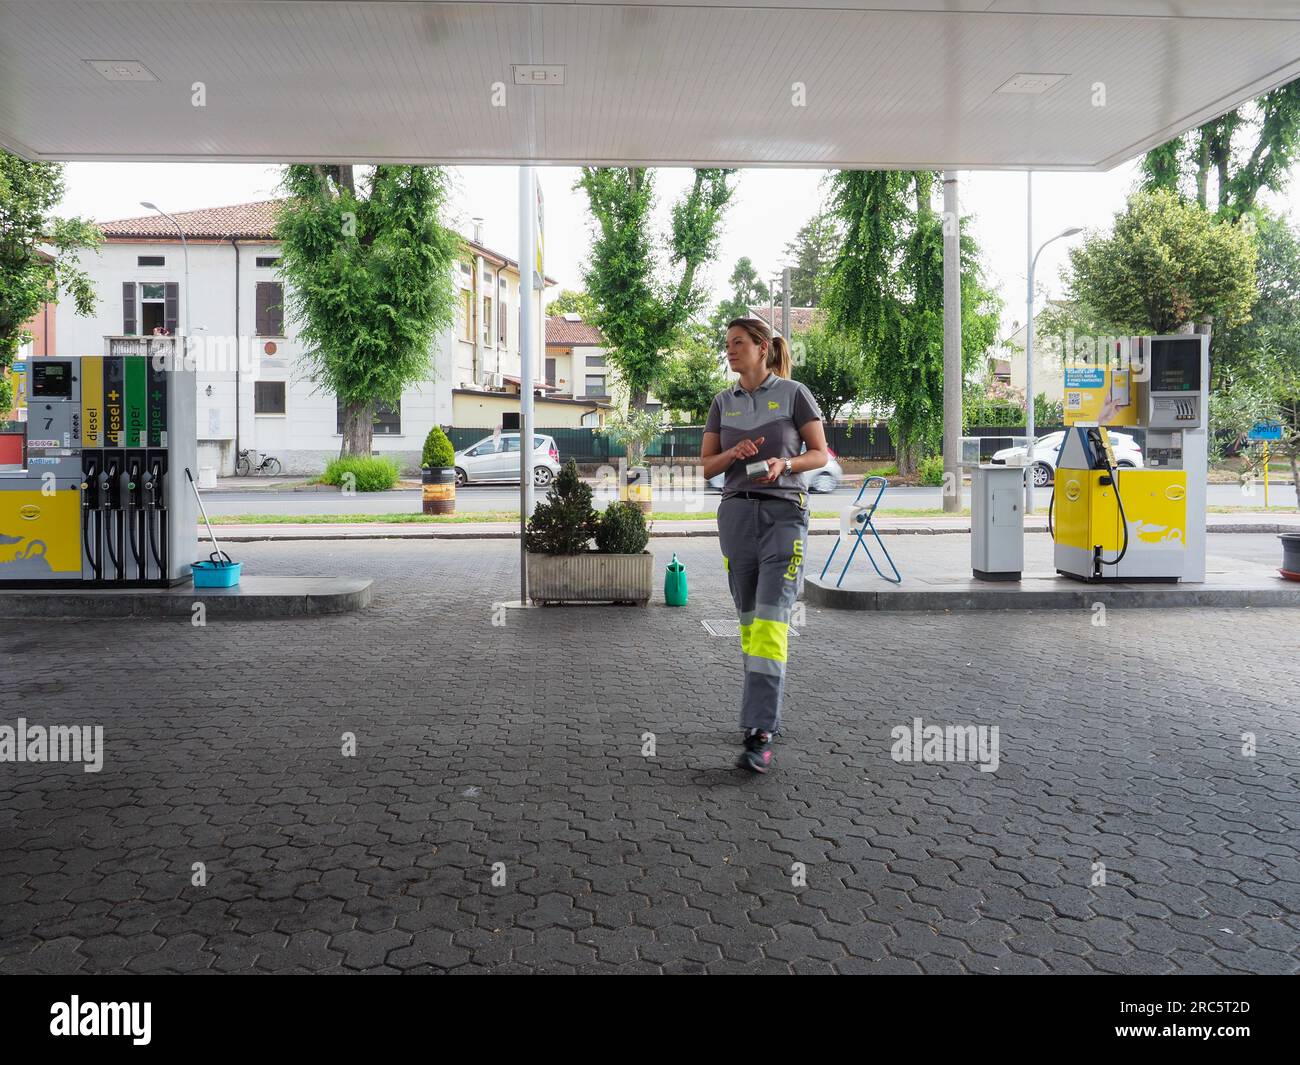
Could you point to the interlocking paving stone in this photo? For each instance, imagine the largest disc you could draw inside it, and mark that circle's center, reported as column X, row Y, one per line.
column 479, row 744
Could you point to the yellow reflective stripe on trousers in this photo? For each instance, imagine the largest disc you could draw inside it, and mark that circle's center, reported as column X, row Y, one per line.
column 768, row 639
column 725, row 564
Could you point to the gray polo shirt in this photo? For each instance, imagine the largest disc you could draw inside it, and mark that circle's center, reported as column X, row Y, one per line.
column 776, row 410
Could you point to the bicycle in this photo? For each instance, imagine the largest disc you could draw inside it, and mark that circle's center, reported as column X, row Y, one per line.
column 269, row 464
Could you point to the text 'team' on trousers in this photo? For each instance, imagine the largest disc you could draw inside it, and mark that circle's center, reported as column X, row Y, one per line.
column 763, row 543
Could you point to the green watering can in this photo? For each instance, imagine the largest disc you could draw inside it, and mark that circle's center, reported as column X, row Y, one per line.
column 675, row 583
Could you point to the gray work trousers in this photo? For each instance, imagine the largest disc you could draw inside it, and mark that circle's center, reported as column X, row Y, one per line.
column 763, row 545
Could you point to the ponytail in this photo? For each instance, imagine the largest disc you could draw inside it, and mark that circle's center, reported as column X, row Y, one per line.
column 778, row 356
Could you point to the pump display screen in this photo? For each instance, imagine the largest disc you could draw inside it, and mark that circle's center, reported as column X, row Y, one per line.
column 51, row 380
column 1176, row 365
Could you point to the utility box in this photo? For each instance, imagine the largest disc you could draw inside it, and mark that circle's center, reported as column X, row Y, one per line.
column 997, row 521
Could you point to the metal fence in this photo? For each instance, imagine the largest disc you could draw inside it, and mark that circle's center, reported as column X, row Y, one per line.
column 857, row 440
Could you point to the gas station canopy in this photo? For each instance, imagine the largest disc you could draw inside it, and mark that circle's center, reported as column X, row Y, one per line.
column 1043, row 84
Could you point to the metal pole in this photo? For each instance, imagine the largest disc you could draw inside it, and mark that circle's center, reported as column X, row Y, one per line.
column 185, row 252
column 527, row 253
column 787, row 330
column 952, row 360
column 1029, row 341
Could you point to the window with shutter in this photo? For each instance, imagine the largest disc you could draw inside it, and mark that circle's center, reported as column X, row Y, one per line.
column 172, row 303
column 270, row 309
column 129, row 322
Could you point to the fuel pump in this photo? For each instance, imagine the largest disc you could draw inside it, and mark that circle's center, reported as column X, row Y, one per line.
column 96, row 505
column 1135, row 523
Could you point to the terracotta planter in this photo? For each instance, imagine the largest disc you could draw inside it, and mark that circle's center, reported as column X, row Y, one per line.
column 439, row 489
column 591, row 577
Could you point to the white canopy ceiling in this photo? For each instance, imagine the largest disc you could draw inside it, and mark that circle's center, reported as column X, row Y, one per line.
column 884, row 83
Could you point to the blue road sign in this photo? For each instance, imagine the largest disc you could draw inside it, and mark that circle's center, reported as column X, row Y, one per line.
column 1265, row 431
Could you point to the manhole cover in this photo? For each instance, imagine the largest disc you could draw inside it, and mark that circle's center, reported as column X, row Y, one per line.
column 729, row 627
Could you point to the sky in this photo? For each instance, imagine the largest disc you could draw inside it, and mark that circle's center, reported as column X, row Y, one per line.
column 766, row 212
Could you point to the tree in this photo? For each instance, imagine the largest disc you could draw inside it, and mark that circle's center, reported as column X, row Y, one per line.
column 369, row 281
column 641, row 317
column 834, row 368
column 1166, row 263
column 1274, row 325
column 811, row 252
column 572, row 301
column 1247, row 150
column 691, row 377
column 885, row 289
column 29, row 276
column 747, row 290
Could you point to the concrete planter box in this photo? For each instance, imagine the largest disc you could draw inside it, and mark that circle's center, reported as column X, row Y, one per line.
column 1291, row 555
column 591, row 577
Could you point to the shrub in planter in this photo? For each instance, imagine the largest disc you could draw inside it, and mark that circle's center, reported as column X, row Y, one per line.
column 438, row 451
column 363, row 474
column 565, row 521
column 438, row 474
column 560, row 566
column 622, row 530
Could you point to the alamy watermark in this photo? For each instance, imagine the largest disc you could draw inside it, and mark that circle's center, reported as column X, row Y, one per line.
column 920, row 742
column 57, row 743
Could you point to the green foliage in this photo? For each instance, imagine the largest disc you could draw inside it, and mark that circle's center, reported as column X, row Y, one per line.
column 633, row 429
column 1246, row 150
column 691, row 377
column 364, row 473
column 572, row 301
column 369, row 281
column 1165, row 263
column 833, row 366
column 564, row 522
column 930, row 471
column 29, row 192
column 437, row 450
column 641, row 318
column 747, row 290
column 885, row 288
column 811, row 252
column 621, row 530
column 1273, row 332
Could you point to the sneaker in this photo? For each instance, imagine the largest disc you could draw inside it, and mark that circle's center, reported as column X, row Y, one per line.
column 757, row 755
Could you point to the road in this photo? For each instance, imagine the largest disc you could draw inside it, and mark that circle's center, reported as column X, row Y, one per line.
column 506, row 497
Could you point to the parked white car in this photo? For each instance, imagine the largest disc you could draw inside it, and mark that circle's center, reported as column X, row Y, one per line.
column 496, row 458
column 826, row 479
column 1046, row 448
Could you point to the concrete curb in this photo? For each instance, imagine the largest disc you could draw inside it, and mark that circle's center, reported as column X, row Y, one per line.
column 1048, row 593
column 255, row 598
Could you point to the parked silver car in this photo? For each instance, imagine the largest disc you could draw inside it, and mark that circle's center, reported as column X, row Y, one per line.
column 496, row 458
column 827, row 479
column 1128, row 454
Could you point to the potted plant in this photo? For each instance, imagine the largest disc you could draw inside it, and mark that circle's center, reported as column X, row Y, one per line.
column 635, row 430
column 438, row 473
column 561, row 566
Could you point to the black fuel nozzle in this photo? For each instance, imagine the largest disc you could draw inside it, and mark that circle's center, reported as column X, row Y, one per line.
column 105, row 481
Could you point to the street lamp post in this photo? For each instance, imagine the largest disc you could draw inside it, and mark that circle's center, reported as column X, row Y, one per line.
column 1029, row 344
column 185, row 251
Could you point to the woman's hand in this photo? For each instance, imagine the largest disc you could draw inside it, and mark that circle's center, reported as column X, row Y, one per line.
column 775, row 467
column 745, row 449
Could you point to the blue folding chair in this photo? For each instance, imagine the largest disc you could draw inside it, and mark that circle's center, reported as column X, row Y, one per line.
column 862, row 520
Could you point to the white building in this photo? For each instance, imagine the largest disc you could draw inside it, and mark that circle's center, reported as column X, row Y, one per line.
column 236, row 305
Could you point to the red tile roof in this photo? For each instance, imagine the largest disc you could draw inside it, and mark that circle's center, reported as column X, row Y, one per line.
column 248, row 221
column 560, row 332
column 243, row 221
column 801, row 318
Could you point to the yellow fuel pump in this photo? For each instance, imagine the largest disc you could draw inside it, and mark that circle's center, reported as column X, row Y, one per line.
column 1142, row 523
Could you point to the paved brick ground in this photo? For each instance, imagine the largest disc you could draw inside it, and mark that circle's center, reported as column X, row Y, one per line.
column 521, row 745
